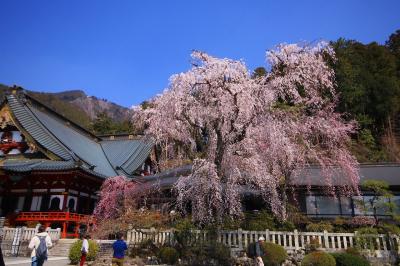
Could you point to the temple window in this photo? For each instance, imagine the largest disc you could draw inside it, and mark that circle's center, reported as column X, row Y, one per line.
column 56, row 203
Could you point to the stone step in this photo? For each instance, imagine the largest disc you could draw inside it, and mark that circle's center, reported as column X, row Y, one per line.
column 61, row 248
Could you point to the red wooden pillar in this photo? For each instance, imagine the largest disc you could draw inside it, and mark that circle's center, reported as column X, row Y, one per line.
column 64, row 231
column 76, row 235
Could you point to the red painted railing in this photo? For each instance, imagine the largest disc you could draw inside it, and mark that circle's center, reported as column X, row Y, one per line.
column 63, row 217
column 52, row 217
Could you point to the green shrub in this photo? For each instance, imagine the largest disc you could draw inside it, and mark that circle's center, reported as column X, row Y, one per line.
column 75, row 251
column 319, row 227
column 286, row 226
column 389, row 228
column 346, row 259
column 168, row 255
column 353, row 251
column 229, row 223
column 259, row 221
column 365, row 238
column 274, row 254
column 221, row 254
column 213, row 253
column 318, row 258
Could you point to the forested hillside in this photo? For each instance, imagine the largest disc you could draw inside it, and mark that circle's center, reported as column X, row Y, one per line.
column 368, row 79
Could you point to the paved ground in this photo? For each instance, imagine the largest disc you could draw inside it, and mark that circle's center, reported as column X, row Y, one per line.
column 23, row 261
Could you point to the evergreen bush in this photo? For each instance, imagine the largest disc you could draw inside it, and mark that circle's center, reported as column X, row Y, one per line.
column 318, row 258
column 259, row 221
column 75, row 251
column 168, row 255
column 274, row 255
column 353, row 251
column 347, row 259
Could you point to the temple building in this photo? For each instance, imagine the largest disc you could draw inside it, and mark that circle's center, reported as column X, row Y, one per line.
column 51, row 168
column 307, row 191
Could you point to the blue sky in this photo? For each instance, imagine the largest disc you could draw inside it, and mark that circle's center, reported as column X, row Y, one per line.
column 125, row 51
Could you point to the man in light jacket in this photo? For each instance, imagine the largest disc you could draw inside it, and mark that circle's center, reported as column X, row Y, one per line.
column 34, row 245
column 84, row 249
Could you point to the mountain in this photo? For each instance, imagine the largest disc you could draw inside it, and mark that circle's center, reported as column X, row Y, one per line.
column 78, row 107
column 91, row 105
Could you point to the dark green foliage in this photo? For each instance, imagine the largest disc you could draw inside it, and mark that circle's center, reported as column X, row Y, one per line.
column 318, row 258
column 365, row 238
column 75, row 251
column 229, row 223
column 103, row 125
column 319, row 227
column 367, row 80
column 264, row 220
column 168, row 255
column 387, row 228
column 353, row 251
column 259, row 221
column 369, row 85
column 346, row 259
column 274, row 255
column 259, row 72
column 207, row 253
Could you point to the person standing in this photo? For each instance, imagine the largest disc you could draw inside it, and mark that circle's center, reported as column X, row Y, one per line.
column 40, row 245
column 119, row 248
column 259, row 252
column 84, row 249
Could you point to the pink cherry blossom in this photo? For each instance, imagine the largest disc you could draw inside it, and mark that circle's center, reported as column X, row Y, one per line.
column 249, row 134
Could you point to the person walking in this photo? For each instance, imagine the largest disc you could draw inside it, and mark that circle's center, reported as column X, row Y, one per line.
column 40, row 245
column 84, row 249
column 119, row 248
column 259, row 252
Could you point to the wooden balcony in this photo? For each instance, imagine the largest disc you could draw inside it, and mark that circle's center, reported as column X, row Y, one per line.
column 65, row 218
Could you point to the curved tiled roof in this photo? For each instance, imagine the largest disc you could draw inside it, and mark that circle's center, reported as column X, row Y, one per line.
column 72, row 144
column 28, row 121
column 28, row 165
column 127, row 155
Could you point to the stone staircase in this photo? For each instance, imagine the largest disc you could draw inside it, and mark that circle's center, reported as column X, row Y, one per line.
column 61, row 248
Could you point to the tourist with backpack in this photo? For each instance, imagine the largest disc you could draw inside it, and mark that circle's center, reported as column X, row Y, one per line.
column 39, row 245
